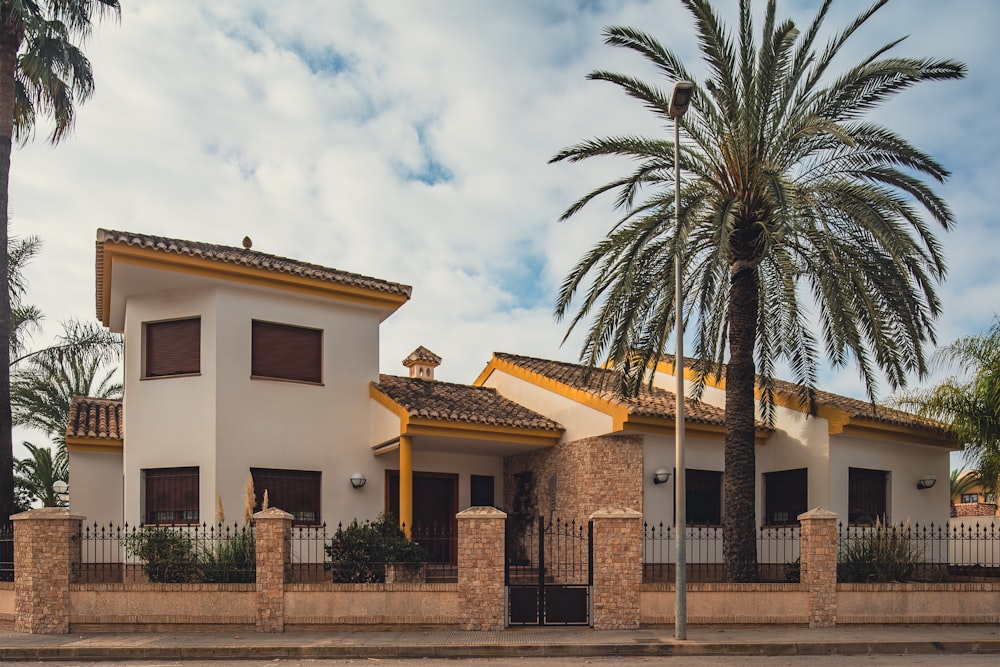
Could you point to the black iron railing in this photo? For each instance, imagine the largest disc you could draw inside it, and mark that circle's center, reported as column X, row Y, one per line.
column 777, row 553
column 223, row 553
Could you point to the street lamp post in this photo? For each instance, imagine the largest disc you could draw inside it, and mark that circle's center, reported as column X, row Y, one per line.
column 679, row 101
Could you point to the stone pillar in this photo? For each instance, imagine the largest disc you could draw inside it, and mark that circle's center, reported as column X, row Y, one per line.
column 45, row 553
column 617, row 568
column 818, row 553
column 481, row 550
column 273, row 532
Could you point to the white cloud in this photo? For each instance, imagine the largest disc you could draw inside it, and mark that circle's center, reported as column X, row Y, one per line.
column 309, row 126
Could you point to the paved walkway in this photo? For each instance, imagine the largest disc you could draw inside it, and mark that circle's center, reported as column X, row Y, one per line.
column 547, row 642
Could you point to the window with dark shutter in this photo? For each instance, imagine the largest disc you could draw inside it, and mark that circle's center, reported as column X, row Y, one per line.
column 481, row 488
column 867, row 491
column 171, row 495
column 294, row 491
column 785, row 496
column 284, row 352
column 172, row 347
column 703, row 494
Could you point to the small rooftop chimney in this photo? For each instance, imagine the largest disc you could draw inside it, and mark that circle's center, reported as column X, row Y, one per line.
column 422, row 363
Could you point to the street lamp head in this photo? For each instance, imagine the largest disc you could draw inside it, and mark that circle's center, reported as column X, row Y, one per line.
column 680, row 99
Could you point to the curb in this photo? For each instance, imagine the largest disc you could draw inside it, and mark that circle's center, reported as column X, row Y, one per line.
column 988, row 647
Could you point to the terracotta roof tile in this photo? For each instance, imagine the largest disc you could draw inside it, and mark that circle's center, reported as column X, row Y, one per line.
column 421, row 354
column 96, row 418
column 855, row 408
column 653, row 402
column 242, row 257
column 460, row 403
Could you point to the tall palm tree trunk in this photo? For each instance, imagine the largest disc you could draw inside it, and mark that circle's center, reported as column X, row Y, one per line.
column 739, row 536
column 10, row 40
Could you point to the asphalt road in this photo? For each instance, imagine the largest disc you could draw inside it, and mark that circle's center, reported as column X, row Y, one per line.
column 673, row 661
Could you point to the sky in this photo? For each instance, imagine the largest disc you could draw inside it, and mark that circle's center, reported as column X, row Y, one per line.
column 410, row 141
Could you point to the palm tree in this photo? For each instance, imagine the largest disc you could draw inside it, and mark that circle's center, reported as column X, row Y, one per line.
column 36, row 475
column 24, row 318
column 788, row 196
column 42, row 389
column 43, row 72
column 961, row 482
column 968, row 403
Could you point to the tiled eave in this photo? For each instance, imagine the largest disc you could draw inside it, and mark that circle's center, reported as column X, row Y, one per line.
column 238, row 265
column 652, row 412
column 95, row 425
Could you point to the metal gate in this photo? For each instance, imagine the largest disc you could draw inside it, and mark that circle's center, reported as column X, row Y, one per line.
column 549, row 573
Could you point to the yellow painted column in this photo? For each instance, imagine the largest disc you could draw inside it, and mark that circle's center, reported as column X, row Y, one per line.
column 406, row 483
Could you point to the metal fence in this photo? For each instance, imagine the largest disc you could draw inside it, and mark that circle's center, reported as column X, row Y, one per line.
column 905, row 552
column 6, row 551
column 222, row 553
column 365, row 552
column 777, row 553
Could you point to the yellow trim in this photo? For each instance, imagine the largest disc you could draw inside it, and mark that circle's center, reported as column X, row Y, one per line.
column 405, row 483
column 899, row 433
column 620, row 417
column 431, row 426
column 94, row 445
column 250, row 275
column 839, row 421
column 617, row 411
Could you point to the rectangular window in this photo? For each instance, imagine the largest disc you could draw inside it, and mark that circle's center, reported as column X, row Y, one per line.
column 867, row 496
column 482, row 491
column 172, row 347
column 294, row 491
column 703, row 491
column 171, row 495
column 785, row 496
column 990, row 498
column 284, row 352
column 970, row 497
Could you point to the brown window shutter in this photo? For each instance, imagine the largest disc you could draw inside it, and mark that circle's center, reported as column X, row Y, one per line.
column 173, row 347
column 171, row 495
column 286, row 352
column 294, row 491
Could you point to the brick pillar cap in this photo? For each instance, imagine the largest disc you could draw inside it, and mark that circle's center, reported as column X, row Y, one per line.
column 47, row 514
column 272, row 513
column 482, row 513
column 818, row 513
column 616, row 513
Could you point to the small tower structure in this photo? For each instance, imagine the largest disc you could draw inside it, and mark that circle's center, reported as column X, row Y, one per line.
column 422, row 363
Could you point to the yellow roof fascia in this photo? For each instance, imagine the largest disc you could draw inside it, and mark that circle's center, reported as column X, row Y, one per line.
column 249, row 275
column 900, row 433
column 101, row 445
column 618, row 412
column 835, row 417
column 410, row 425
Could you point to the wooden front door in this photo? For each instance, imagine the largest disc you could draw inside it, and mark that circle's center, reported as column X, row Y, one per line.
column 435, row 504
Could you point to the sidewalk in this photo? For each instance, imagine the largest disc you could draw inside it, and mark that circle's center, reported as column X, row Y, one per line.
column 548, row 642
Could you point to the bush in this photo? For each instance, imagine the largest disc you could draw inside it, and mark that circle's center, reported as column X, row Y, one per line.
column 173, row 556
column 358, row 553
column 169, row 556
column 882, row 554
column 233, row 560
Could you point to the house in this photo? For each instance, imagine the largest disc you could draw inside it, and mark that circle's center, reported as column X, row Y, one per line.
column 239, row 364
column 975, row 500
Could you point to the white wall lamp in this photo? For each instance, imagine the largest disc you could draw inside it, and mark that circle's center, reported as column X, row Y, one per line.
column 358, row 480
column 661, row 476
column 926, row 482
column 61, row 489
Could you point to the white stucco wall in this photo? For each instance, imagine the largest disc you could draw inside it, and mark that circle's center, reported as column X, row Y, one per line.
column 224, row 422
column 658, row 452
column 906, row 464
column 579, row 420
column 97, row 495
column 169, row 422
